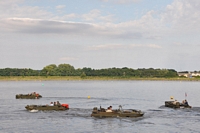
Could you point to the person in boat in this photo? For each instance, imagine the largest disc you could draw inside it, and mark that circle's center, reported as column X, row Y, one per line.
column 51, row 104
column 183, row 103
column 58, row 103
column 175, row 102
column 171, row 98
column 54, row 103
column 33, row 93
column 108, row 110
column 110, row 107
column 186, row 102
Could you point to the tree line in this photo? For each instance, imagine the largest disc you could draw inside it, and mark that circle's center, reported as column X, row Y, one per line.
column 69, row 70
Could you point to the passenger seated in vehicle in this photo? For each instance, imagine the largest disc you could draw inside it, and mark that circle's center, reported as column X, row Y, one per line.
column 171, row 98
column 175, row 102
column 51, row 104
column 183, row 102
column 33, row 93
column 108, row 110
column 54, row 104
column 186, row 102
column 58, row 103
column 110, row 107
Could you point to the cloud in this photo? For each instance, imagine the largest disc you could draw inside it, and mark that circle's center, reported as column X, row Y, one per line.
column 177, row 17
column 153, row 46
column 183, row 16
column 14, row 10
column 105, row 47
column 39, row 26
column 122, row 46
column 96, row 16
column 92, row 15
column 60, row 7
column 9, row 2
column 121, row 1
column 66, row 17
column 67, row 59
column 178, row 43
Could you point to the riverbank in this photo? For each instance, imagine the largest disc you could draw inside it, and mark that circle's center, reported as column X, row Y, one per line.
column 52, row 78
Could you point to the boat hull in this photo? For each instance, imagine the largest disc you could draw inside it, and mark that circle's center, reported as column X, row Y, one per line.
column 45, row 107
column 170, row 104
column 22, row 96
column 117, row 113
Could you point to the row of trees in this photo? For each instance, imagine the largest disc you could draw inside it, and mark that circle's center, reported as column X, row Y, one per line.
column 18, row 72
column 68, row 70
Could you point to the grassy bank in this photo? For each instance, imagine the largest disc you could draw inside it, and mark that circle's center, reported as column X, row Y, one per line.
column 52, row 78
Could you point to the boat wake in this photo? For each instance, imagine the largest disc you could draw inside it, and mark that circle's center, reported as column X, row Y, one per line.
column 33, row 111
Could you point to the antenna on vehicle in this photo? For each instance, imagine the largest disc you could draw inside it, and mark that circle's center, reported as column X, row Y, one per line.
column 185, row 95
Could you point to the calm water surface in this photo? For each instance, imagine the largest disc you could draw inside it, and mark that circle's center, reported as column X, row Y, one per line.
column 147, row 96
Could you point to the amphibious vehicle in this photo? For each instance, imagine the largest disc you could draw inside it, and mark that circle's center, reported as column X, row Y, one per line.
column 47, row 107
column 33, row 95
column 116, row 113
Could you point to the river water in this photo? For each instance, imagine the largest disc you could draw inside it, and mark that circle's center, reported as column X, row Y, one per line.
column 147, row 96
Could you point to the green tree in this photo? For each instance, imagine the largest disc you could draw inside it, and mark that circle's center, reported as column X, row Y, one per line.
column 66, row 70
column 49, row 70
column 83, row 75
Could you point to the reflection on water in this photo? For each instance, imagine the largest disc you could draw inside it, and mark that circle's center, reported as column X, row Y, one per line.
column 147, row 96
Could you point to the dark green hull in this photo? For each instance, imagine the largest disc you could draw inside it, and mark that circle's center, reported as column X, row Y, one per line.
column 26, row 96
column 116, row 113
column 170, row 104
column 45, row 107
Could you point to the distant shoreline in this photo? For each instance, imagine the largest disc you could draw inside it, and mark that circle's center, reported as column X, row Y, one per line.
column 71, row 78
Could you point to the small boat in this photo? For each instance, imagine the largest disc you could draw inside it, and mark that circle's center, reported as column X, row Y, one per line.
column 172, row 104
column 33, row 95
column 116, row 113
column 47, row 107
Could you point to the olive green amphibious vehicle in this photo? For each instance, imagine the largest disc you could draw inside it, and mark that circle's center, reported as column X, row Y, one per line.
column 172, row 104
column 116, row 113
column 33, row 95
column 47, row 107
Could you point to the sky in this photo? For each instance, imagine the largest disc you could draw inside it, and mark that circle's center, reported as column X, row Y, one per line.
column 100, row 34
